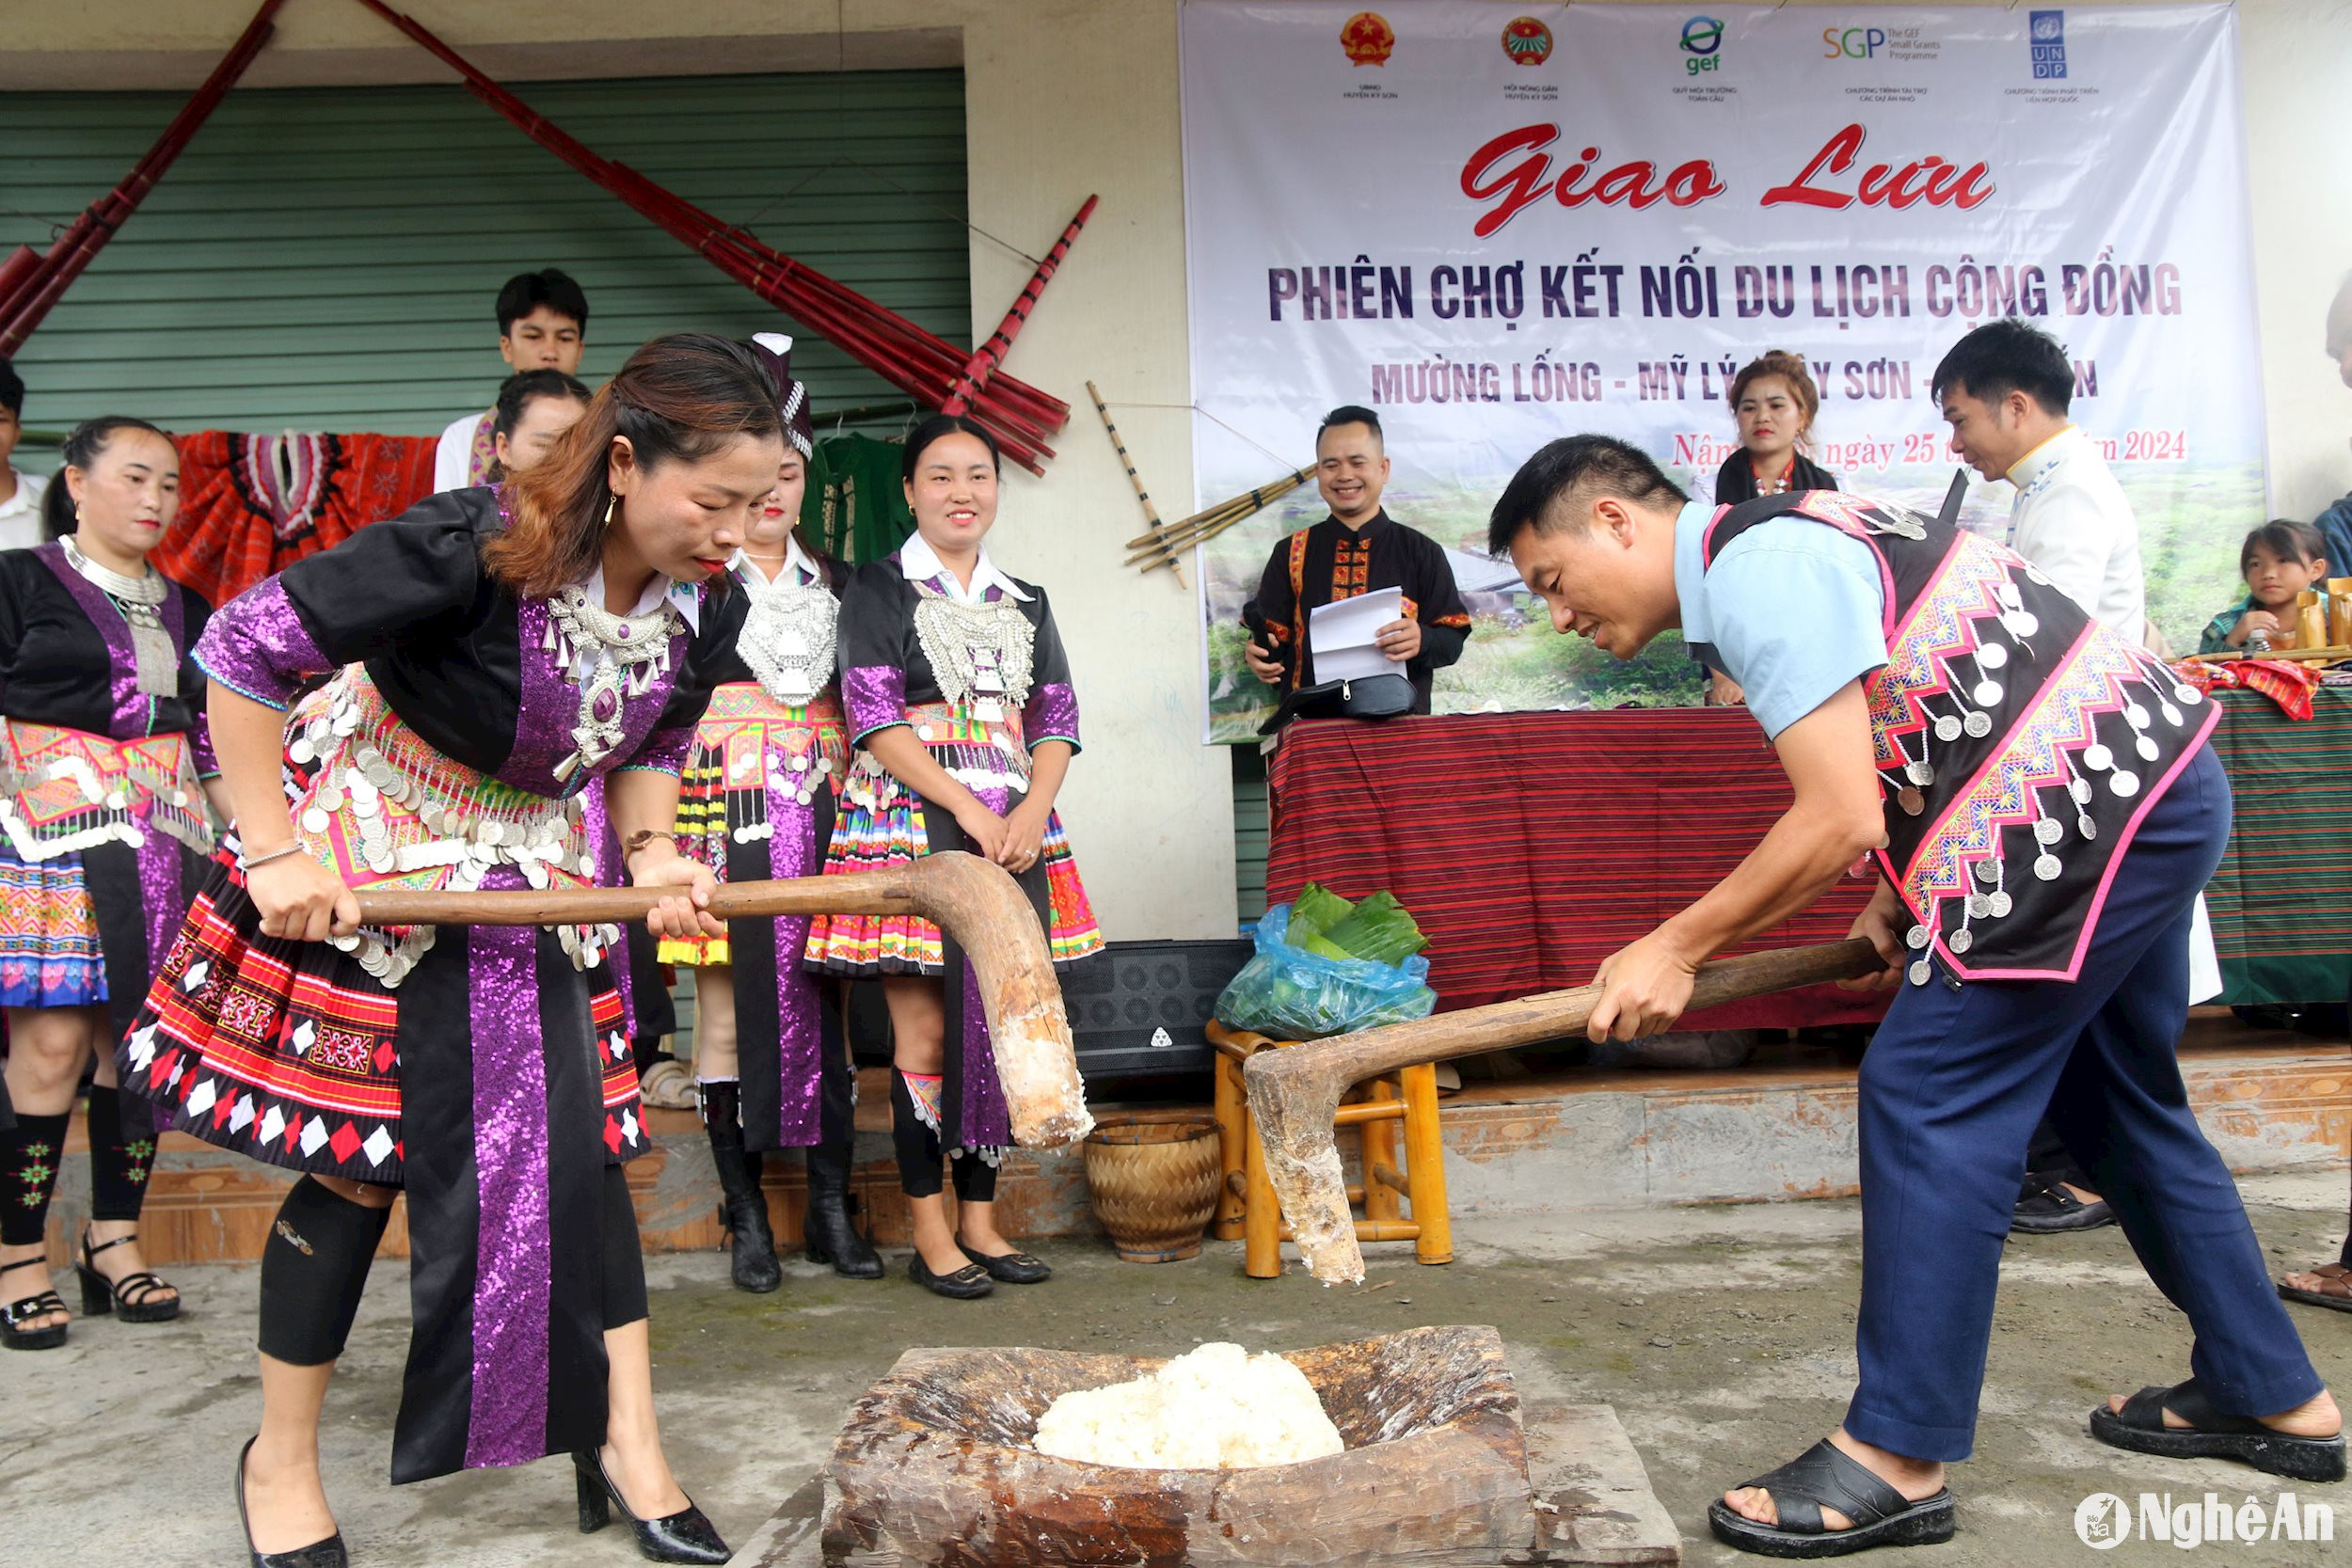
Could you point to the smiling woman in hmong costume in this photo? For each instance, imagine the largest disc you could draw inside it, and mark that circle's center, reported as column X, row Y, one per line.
column 958, row 695
column 485, row 656
column 758, row 801
column 100, row 824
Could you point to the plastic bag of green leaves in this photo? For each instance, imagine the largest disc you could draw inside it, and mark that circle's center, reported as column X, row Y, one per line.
column 1291, row 993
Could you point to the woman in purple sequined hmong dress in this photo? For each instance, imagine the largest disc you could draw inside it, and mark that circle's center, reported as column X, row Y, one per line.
column 959, row 699
column 485, row 656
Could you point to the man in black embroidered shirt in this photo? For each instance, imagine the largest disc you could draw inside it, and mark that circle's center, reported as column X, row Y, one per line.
column 1358, row 548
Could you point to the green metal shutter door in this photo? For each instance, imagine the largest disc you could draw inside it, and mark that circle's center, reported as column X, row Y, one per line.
column 328, row 259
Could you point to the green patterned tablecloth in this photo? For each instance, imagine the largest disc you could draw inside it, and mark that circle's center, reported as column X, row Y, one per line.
column 2281, row 901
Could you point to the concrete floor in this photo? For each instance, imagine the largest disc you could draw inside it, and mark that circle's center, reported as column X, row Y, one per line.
column 1721, row 1334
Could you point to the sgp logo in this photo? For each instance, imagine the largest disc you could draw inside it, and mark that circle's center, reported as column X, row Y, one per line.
column 2103, row 1521
column 1852, row 43
column 1702, row 43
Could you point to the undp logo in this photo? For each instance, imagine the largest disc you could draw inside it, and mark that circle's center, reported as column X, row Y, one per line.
column 2103, row 1521
column 2045, row 39
column 1702, row 40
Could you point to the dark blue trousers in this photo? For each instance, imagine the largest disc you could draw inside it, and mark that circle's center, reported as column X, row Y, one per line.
column 1950, row 1090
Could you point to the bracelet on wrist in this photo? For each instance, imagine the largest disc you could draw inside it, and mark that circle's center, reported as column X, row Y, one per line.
column 247, row 863
column 645, row 836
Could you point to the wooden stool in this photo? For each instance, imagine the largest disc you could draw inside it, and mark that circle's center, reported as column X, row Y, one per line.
column 1245, row 1203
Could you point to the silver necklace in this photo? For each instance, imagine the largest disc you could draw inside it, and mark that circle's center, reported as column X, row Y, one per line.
column 140, row 600
column 625, row 654
column 980, row 652
column 788, row 635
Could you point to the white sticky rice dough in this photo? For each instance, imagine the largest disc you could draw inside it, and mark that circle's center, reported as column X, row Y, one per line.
column 1218, row 1408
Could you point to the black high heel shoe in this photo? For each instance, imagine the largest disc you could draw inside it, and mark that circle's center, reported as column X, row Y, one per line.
column 132, row 1298
column 684, row 1536
column 328, row 1553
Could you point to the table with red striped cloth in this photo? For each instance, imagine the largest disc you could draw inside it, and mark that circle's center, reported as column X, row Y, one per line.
column 1529, row 846
column 2282, row 898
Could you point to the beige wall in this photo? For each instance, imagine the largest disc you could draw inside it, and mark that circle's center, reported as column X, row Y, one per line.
column 1071, row 97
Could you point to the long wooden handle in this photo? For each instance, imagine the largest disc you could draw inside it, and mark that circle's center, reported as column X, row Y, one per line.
column 1295, row 1093
column 975, row 902
column 888, row 892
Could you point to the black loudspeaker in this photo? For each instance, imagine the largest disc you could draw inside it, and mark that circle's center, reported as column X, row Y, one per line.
column 1141, row 1008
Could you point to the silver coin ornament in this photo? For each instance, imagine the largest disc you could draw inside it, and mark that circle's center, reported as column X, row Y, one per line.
column 1921, row 773
column 1911, row 801
column 1988, row 693
column 2146, row 748
column 1947, row 728
column 2188, row 695
column 315, row 820
column 1978, row 724
column 2171, row 714
column 1916, row 937
column 1991, row 656
column 2047, row 830
column 2097, row 757
column 2047, row 868
column 1959, row 940
column 2135, row 716
column 2080, row 790
column 2086, row 827
column 1988, row 872
column 1920, row 971
column 2002, row 903
column 1979, row 905
column 2021, row 624
column 2124, row 782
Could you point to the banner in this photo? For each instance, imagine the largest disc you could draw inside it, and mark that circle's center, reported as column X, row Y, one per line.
column 1499, row 224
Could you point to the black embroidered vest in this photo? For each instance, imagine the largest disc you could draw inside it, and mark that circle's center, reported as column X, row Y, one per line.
column 2019, row 742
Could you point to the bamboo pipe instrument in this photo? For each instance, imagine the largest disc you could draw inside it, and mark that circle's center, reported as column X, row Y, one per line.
column 1227, row 512
column 975, row 901
column 1151, row 513
column 1294, row 1093
column 1197, row 530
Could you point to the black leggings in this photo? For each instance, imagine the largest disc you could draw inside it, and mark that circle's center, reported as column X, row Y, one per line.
column 314, row 1268
column 918, row 1148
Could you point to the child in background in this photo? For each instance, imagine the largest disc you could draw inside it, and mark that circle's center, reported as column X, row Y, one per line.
column 2280, row 560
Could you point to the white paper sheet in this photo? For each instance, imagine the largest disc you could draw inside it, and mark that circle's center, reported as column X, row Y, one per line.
column 1344, row 635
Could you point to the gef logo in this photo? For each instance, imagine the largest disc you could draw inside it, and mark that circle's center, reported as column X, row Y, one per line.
column 1852, row 43
column 1702, row 44
column 2046, row 35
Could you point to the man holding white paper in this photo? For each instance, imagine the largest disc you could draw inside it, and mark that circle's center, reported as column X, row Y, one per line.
column 1359, row 551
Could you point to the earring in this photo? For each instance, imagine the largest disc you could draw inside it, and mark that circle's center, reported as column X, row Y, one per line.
column 608, row 508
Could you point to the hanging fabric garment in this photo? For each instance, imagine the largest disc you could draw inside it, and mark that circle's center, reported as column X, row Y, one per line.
column 858, row 499
column 253, row 505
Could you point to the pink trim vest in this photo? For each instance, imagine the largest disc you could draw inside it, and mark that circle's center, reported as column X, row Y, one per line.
column 2019, row 743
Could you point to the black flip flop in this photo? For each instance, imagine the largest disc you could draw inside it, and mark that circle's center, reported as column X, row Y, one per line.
column 1825, row 1474
column 2320, row 1298
column 2213, row 1433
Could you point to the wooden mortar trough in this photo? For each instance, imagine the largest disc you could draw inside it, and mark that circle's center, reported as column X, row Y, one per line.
column 934, row 1467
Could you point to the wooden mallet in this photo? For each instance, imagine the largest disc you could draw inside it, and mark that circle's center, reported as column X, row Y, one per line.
column 975, row 902
column 1294, row 1093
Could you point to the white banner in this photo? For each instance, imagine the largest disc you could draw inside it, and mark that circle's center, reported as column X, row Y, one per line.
column 1498, row 224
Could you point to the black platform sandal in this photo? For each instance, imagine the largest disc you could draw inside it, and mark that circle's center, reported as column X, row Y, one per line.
column 686, row 1536
column 2214, row 1433
column 1826, row 1476
column 18, row 1313
column 968, row 1283
column 132, row 1298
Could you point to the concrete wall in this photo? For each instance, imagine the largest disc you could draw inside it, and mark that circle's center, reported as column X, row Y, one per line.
column 1072, row 97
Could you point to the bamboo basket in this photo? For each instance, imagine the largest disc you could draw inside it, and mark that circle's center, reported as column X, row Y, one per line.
column 1154, row 1185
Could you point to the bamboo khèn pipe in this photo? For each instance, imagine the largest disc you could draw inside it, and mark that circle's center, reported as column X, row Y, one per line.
column 1151, row 513
column 1294, row 1093
column 975, row 902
